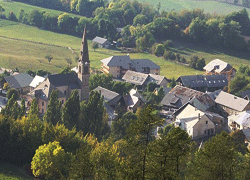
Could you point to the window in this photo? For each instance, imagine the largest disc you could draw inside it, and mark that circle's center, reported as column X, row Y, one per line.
column 206, row 122
column 205, row 132
column 62, row 101
column 65, row 92
column 42, row 103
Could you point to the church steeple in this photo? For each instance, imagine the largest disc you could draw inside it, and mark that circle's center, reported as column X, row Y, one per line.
column 84, row 57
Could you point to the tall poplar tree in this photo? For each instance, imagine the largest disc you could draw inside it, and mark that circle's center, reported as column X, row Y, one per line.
column 71, row 110
column 53, row 114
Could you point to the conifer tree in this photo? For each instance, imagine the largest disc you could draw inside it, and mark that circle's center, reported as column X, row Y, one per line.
column 12, row 108
column 71, row 110
column 22, row 109
column 34, row 111
column 53, row 114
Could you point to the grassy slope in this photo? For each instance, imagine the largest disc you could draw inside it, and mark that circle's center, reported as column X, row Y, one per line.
column 208, row 6
column 16, row 6
column 21, row 53
column 12, row 172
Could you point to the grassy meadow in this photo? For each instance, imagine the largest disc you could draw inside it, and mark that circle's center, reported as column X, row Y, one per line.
column 25, row 47
column 209, row 6
column 16, row 6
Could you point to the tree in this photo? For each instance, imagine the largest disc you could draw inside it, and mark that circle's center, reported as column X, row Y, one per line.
column 66, row 70
column 1, row 10
column 201, row 64
column 94, row 46
column 145, row 42
column 103, row 80
column 140, row 137
column 159, row 50
column 71, row 110
column 53, row 112
column 236, row 2
column 22, row 111
column 64, row 23
column 34, row 110
column 13, row 92
column 197, row 30
column 35, row 18
column 50, row 161
column 11, row 16
column 121, row 87
column 140, row 19
column 238, row 84
column 11, row 109
column 92, row 116
column 48, row 57
column 172, row 84
column 218, row 159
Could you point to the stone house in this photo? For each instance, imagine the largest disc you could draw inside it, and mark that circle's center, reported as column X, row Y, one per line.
column 102, row 42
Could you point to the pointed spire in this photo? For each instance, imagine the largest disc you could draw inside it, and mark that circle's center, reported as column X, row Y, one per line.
column 84, row 57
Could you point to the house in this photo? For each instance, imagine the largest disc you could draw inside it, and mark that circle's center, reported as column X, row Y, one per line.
column 245, row 94
column 197, row 123
column 218, row 66
column 136, row 78
column 20, row 82
column 239, row 121
column 119, row 65
column 229, row 104
column 110, row 97
column 180, row 95
column 133, row 100
column 203, row 82
column 65, row 83
column 36, row 81
column 102, row 42
column 142, row 79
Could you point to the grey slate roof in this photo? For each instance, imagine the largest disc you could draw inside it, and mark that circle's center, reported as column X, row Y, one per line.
column 139, row 64
column 69, row 79
column 180, row 95
column 107, row 94
column 99, row 40
column 217, row 65
column 196, row 81
column 135, row 77
column 19, row 81
column 231, row 101
column 113, row 61
column 214, row 94
column 157, row 78
column 245, row 94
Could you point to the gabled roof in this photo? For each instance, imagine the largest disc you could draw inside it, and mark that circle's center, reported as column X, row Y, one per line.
column 107, row 94
column 217, row 65
column 196, row 81
column 214, row 94
column 245, row 94
column 132, row 98
column 246, row 133
column 180, row 95
column 36, row 81
column 231, row 101
column 135, row 77
column 139, row 64
column 19, row 81
column 99, row 40
column 114, row 61
column 157, row 78
column 69, row 79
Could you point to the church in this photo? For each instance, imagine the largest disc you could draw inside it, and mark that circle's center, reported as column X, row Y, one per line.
column 65, row 83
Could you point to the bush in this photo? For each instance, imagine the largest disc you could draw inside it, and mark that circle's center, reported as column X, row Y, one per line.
column 12, row 92
column 168, row 43
column 169, row 55
column 159, row 50
column 11, row 16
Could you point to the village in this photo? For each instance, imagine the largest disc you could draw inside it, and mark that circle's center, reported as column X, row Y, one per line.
column 198, row 104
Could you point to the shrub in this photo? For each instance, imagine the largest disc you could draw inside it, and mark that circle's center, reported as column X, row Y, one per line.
column 159, row 50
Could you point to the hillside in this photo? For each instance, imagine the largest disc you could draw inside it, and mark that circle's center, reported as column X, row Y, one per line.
column 25, row 47
column 208, row 6
column 16, row 6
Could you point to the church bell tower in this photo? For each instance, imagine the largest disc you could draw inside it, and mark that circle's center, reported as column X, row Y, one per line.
column 84, row 68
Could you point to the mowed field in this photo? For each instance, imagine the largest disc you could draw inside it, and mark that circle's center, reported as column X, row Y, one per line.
column 209, row 6
column 25, row 47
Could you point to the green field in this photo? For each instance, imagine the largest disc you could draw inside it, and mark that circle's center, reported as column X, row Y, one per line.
column 25, row 47
column 12, row 172
column 209, row 6
column 16, row 6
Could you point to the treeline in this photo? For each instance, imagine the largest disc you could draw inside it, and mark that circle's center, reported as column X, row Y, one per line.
column 75, row 142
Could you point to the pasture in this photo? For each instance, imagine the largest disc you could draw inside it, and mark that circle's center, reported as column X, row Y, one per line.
column 209, row 6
